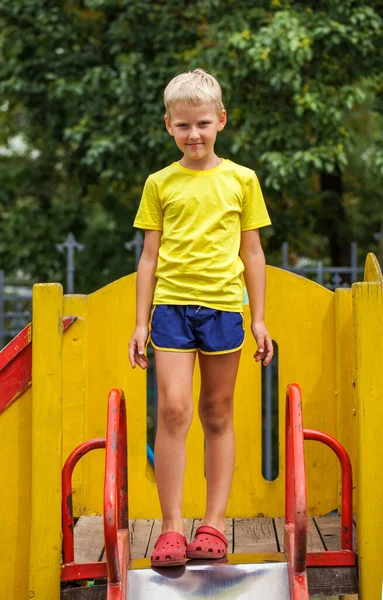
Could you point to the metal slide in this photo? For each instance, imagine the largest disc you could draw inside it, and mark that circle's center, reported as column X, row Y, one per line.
column 242, row 577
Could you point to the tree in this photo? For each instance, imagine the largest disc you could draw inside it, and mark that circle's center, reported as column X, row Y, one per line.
column 82, row 83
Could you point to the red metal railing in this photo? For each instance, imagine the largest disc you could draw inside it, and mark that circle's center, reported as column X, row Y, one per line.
column 115, row 504
column 296, row 500
column 345, row 556
column 295, row 496
column 67, row 506
column 115, row 483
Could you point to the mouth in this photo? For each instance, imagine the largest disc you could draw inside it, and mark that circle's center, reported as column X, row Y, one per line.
column 193, row 145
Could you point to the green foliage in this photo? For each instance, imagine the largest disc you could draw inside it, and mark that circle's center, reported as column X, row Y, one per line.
column 82, row 83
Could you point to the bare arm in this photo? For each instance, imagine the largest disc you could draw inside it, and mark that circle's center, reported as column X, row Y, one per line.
column 255, row 278
column 146, row 282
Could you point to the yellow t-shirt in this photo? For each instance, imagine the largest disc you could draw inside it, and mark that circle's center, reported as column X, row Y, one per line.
column 201, row 215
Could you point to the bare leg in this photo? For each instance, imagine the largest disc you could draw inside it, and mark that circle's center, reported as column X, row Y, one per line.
column 218, row 375
column 175, row 411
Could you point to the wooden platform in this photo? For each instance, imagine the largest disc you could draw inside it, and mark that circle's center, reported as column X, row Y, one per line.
column 244, row 536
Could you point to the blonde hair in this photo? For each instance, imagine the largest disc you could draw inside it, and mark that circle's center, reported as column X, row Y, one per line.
column 195, row 87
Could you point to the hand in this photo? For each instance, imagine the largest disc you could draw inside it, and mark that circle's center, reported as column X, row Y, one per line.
column 137, row 347
column 265, row 345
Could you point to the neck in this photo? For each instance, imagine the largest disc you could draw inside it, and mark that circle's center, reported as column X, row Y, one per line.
column 203, row 164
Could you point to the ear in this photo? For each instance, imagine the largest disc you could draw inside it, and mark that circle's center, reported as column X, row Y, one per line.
column 168, row 124
column 222, row 120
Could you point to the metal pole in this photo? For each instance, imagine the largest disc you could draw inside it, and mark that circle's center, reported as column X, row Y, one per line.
column 268, row 424
column 320, row 272
column 285, row 255
column 70, row 245
column 137, row 243
column 354, row 262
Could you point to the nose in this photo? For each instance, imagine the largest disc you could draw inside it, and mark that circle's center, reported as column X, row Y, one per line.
column 194, row 134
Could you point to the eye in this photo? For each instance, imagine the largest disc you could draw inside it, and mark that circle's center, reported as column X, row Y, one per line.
column 204, row 123
column 182, row 125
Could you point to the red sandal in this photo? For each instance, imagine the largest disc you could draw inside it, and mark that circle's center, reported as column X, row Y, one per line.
column 209, row 543
column 169, row 550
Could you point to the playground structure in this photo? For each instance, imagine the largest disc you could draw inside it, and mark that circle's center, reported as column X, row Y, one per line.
column 331, row 343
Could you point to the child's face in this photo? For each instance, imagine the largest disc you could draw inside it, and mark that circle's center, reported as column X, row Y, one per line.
column 195, row 129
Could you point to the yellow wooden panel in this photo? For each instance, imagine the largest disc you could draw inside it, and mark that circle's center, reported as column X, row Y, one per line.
column 15, row 490
column 45, row 544
column 372, row 269
column 368, row 323
column 345, row 379
column 248, row 484
column 111, row 315
column 74, row 381
column 300, row 316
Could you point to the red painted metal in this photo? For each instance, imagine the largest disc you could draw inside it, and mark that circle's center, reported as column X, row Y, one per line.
column 115, row 484
column 296, row 500
column 16, row 365
column 76, row 571
column 67, row 507
column 296, row 503
column 116, row 521
column 346, row 531
column 340, row 558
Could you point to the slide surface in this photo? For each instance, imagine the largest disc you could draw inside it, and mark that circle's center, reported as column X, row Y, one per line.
column 236, row 579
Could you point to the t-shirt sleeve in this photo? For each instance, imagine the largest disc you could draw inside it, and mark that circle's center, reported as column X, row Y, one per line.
column 149, row 214
column 254, row 211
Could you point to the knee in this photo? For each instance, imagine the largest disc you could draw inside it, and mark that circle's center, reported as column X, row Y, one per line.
column 175, row 417
column 216, row 416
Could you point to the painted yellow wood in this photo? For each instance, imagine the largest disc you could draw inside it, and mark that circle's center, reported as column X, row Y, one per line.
column 301, row 319
column 15, row 511
column 372, row 269
column 368, row 323
column 45, row 540
column 345, row 380
column 74, row 389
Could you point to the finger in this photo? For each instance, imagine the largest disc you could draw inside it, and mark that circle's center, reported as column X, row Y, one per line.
column 142, row 361
column 131, row 354
column 269, row 351
column 259, row 355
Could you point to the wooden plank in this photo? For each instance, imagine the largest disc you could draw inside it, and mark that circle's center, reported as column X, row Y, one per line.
column 330, row 527
column 330, row 531
column 254, row 535
column 332, row 581
column 88, row 539
column 314, row 542
column 156, row 531
column 46, row 447
column 140, row 532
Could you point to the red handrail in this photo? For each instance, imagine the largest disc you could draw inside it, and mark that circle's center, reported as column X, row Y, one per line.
column 344, row 459
column 67, row 507
column 116, row 482
column 115, row 504
column 296, row 500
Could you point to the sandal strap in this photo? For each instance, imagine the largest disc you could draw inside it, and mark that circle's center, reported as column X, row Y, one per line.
column 212, row 531
column 172, row 535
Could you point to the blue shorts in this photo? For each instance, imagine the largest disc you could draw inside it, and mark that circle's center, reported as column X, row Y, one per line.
column 178, row 328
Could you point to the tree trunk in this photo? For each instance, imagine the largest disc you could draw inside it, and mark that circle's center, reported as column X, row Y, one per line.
column 334, row 220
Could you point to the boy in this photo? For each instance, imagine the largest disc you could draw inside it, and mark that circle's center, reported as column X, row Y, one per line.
column 201, row 217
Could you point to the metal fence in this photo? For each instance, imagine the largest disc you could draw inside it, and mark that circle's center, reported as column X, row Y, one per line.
column 15, row 308
column 330, row 277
